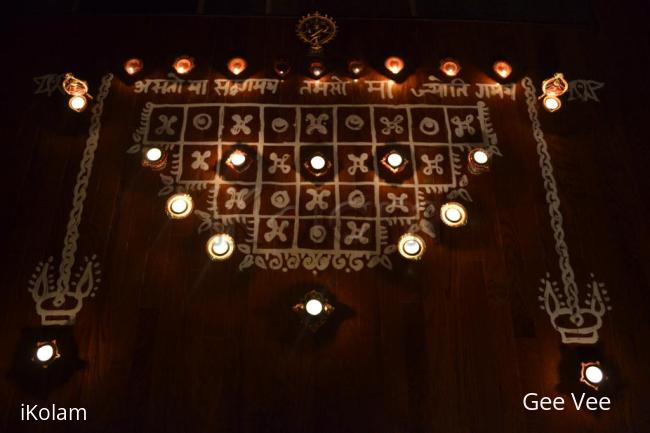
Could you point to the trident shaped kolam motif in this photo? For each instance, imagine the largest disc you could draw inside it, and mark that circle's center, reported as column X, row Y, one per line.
column 58, row 303
column 576, row 321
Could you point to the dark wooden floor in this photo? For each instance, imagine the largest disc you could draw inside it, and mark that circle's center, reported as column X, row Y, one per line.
column 172, row 342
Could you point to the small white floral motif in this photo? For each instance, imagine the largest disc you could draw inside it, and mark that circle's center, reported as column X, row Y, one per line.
column 279, row 163
column 396, row 203
column 318, row 199
column 357, row 233
column 166, row 124
column 237, row 198
column 241, row 124
column 318, row 124
column 463, row 125
column 199, row 160
column 392, row 125
column 358, row 163
column 432, row 164
column 276, row 230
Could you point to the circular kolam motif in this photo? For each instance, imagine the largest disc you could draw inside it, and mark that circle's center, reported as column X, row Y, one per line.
column 279, row 125
column 202, row 121
column 354, row 122
column 356, row 199
column 317, row 233
column 280, row 199
column 429, row 126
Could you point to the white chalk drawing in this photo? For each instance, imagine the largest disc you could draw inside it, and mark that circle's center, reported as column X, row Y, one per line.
column 48, row 84
column 357, row 234
column 199, row 160
column 392, row 125
column 318, row 124
column 429, row 126
column 358, row 163
column 463, row 125
column 456, row 88
column 575, row 321
column 198, row 87
column 166, row 123
column 397, row 202
column 280, row 199
column 237, row 198
column 334, row 87
column 346, row 218
column 317, row 233
column 276, row 230
column 356, row 199
column 383, row 87
column 584, row 90
column 173, row 84
column 279, row 163
column 354, row 122
column 487, row 91
column 241, row 124
column 59, row 303
column 227, row 87
column 202, row 121
column 317, row 199
column 279, row 125
column 432, row 165
column 222, row 87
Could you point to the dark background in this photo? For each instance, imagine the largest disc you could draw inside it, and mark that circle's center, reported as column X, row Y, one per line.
column 174, row 343
column 552, row 11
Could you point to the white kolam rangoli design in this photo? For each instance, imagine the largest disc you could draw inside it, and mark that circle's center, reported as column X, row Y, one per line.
column 290, row 220
column 58, row 303
column 576, row 321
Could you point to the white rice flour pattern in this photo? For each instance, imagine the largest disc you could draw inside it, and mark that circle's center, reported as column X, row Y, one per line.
column 576, row 321
column 58, row 303
column 285, row 217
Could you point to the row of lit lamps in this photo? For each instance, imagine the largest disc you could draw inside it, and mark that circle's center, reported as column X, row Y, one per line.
column 478, row 161
column 410, row 245
column 314, row 310
column 221, row 245
column 449, row 66
column 552, row 88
